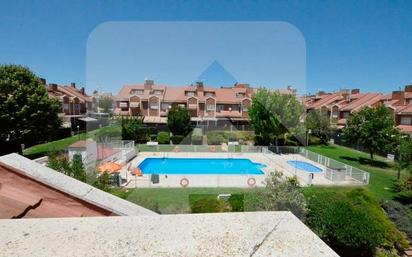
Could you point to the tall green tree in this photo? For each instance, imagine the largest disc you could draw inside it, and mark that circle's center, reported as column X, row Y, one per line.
column 135, row 129
column 106, row 103
column 405, row 153
column 319, row 124
column 178, row 121
column 27, row 114
column 273, row 115
column 373, row 128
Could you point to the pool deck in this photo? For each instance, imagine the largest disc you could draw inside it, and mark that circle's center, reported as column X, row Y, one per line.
column 273, row 162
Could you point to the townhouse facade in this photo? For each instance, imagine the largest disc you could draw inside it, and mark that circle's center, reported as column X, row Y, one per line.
column 205, row 104
column 338, row 106
column 73, row 101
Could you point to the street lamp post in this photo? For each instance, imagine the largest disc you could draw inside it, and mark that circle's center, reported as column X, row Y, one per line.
column 78, row 131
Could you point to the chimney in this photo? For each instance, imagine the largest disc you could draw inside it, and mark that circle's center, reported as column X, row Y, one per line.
column 399, row 95
column 355, row 91
column 408, row 88
column 199, row 86
column 148, row 84
column 82, row 91
column 73, row 85
column 52, row 87
column 42, row 81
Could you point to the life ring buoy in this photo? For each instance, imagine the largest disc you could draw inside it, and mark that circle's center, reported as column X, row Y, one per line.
column 251, row 182
column 184, row 182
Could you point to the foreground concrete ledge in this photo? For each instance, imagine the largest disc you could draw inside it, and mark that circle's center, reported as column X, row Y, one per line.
column 223, row 234
column 73, row 187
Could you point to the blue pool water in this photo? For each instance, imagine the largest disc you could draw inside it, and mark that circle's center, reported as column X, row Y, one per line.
column 200, row 166
column 304, row 166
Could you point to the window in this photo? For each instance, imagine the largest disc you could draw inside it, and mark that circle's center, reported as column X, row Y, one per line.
column 220, row 107
column 210, row 107
column 209, row 94
column 406, row 121
column 165, row 106
column 244, row 108
column 240, row 95
column 154, row 106
column 345, row 115
column 157, row 92
column 65, row 106
column 137, row 92
column 190, row 93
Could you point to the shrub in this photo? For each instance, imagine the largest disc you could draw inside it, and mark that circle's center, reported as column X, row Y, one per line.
column 236, row 202
column 177, row 139
column 163, row 138
column 352, row 223
column 206, row 204
column 197, row 136
column 215, row 138
column 280, row 195
column 401, row 215
column 231, row 136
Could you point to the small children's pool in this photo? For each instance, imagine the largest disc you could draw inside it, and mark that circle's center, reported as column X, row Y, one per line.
column 305, row 166
column 200, row 166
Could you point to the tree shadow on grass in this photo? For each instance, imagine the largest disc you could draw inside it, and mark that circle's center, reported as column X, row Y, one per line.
column 367, row 161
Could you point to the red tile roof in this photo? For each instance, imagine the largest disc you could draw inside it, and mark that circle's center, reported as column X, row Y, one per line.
column 178, row 94
column 24, row 197
column 405, row 128
column 367, row 99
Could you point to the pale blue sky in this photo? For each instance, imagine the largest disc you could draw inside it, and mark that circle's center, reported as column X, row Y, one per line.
column 366, row 44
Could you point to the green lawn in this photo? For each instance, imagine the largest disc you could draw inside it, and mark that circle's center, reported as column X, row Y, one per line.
column 382, row 174
column 172, row 200
column 43, row 149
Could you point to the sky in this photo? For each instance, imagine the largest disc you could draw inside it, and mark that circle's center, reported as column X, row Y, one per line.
column 347, row 44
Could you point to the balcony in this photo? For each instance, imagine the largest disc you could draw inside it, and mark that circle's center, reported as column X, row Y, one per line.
column 123, row 105
column 134, row 104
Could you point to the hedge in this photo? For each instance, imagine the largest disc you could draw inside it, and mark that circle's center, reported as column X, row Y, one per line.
column 163, row 138
column 206, row 203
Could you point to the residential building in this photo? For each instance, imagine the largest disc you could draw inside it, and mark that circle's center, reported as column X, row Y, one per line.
column 73, row 101
column 338, row 106
column 206, row 104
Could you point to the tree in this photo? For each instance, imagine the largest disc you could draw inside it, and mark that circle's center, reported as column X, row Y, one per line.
column 280, row 194
column 27, row 114
column 77, row 168
column 135, row 129
column 319, row 124
column 178, row 121
column 62, row 164
column 106, row 103
column 374, row 128
column 273, row 115
column 405, row 153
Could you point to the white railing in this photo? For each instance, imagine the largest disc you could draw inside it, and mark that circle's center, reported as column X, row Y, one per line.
column 351, row 173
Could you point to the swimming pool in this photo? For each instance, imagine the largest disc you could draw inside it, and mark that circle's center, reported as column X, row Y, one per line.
column 305, row 166
column 200, row 166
